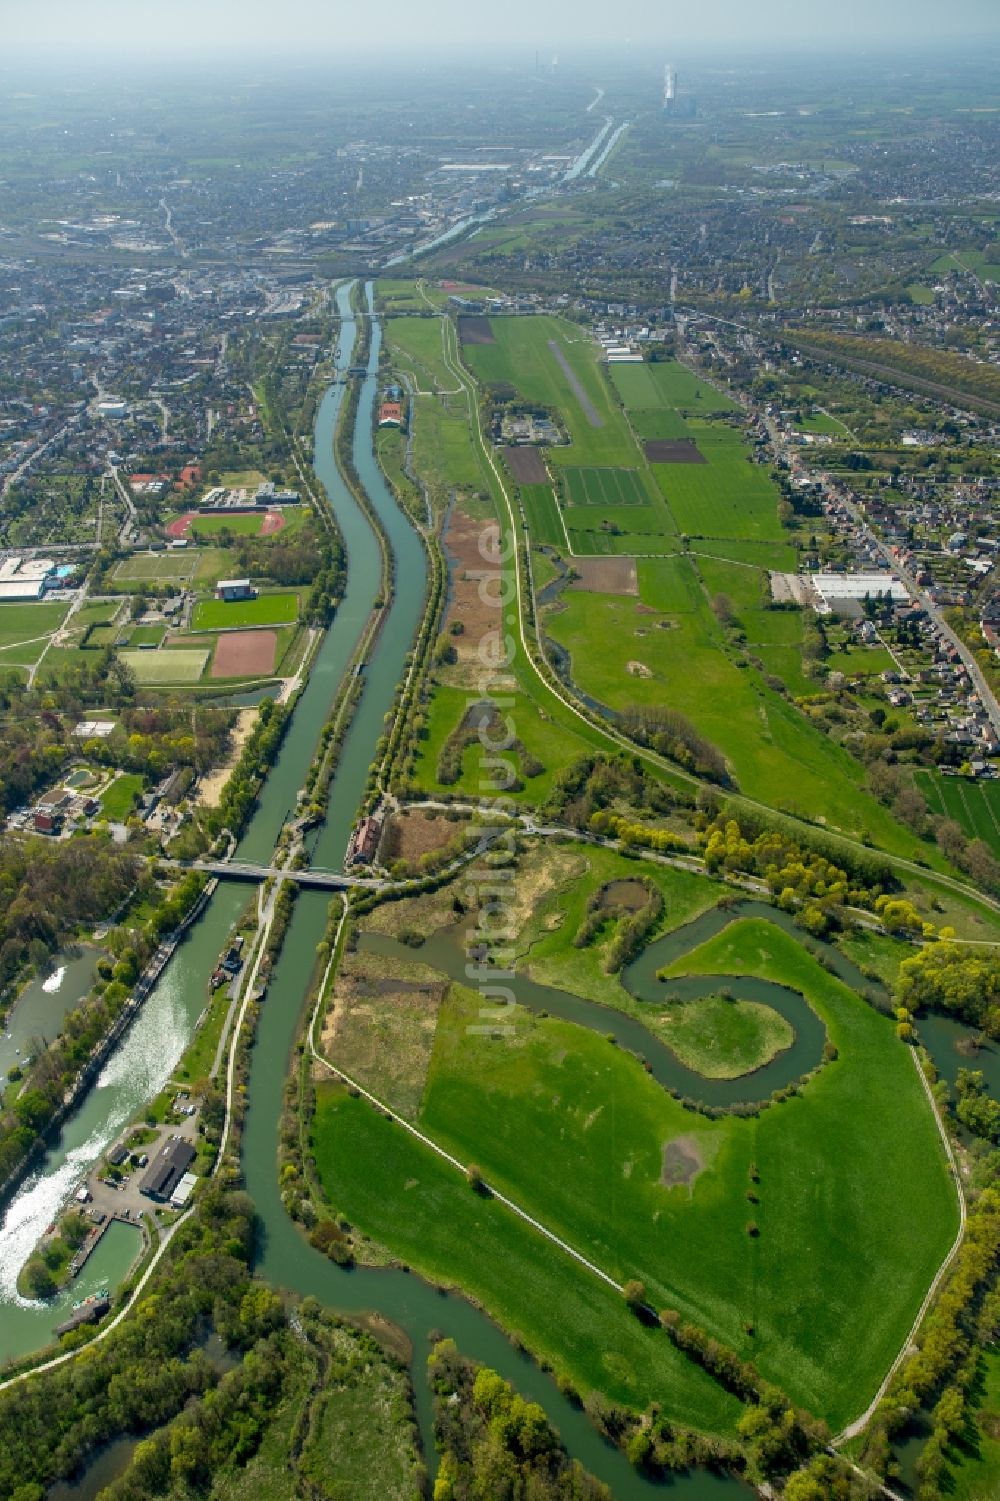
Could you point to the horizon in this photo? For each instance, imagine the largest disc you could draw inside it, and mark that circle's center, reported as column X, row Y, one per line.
column 60, row 31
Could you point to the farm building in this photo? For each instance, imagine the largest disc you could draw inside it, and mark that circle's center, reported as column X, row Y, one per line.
column 390, row 414
column 233, row 589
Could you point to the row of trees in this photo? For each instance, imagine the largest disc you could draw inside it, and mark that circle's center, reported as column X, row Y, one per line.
column 495, row 1444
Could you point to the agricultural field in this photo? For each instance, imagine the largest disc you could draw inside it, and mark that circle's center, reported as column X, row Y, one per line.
column 669, row 385
column 727, row 496
column 266, row 609
column 541, row 511
column 973, row 805
column 604, row 487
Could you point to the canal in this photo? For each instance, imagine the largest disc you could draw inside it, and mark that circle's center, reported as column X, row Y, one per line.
column 151, row 1049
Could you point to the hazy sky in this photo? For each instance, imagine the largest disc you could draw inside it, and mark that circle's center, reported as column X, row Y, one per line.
column 191, row 27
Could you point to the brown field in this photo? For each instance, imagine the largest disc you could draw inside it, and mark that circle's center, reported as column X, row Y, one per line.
column 380, row 1027
column 244, row 654
column 606, row 575
column 466, row 564
column 413, row 833
column 526, row 465
column 475, row 331
column 673, row 451
column 273, row 522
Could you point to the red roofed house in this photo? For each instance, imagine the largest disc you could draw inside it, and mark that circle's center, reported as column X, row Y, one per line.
column 390, row 414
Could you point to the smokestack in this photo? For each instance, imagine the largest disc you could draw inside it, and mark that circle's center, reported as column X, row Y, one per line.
column 669, row 87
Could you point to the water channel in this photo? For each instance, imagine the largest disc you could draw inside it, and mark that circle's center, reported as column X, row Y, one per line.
column 151, row 1049
column 446, row 952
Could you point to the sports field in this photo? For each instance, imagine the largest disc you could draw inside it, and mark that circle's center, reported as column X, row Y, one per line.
column 973, row 805
column 244, row 654
column 169, row 665
column 156, row 567
column 240, row 523
column 266, row 609
column 604, row 487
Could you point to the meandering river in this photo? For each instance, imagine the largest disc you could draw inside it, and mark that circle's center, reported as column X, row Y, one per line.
column 153, row 1046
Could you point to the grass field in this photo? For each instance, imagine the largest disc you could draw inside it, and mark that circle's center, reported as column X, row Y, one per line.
column 604, row 487
column 855, row 1207
column 146, row 635
column 168, row 665
column 154, row 567
column 550, row 744
column 197, row 565
column 974, row 805
column 521, row 358
column 667, row 384
column 443, row 450
column 266, row 609
column 399, row 1192
column 417, row 343
column 775, row 753
column 20, row 623
column 722, row 1038
column 120, row 797
column 542, row 514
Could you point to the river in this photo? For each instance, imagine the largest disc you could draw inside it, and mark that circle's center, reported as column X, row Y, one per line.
column 152, row 1047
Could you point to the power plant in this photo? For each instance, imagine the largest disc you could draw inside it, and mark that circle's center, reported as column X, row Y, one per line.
column 669, row 89
column 684, row 108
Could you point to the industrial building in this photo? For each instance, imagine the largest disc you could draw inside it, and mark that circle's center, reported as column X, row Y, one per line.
column 844, row 593
column 168, row 1167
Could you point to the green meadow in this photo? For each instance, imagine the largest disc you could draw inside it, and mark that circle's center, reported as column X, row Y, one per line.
column 522, row 358
column 854, row 1206
column 679, row 656
column 973, row 805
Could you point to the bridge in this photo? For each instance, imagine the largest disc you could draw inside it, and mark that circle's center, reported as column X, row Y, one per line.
column 245, row 870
